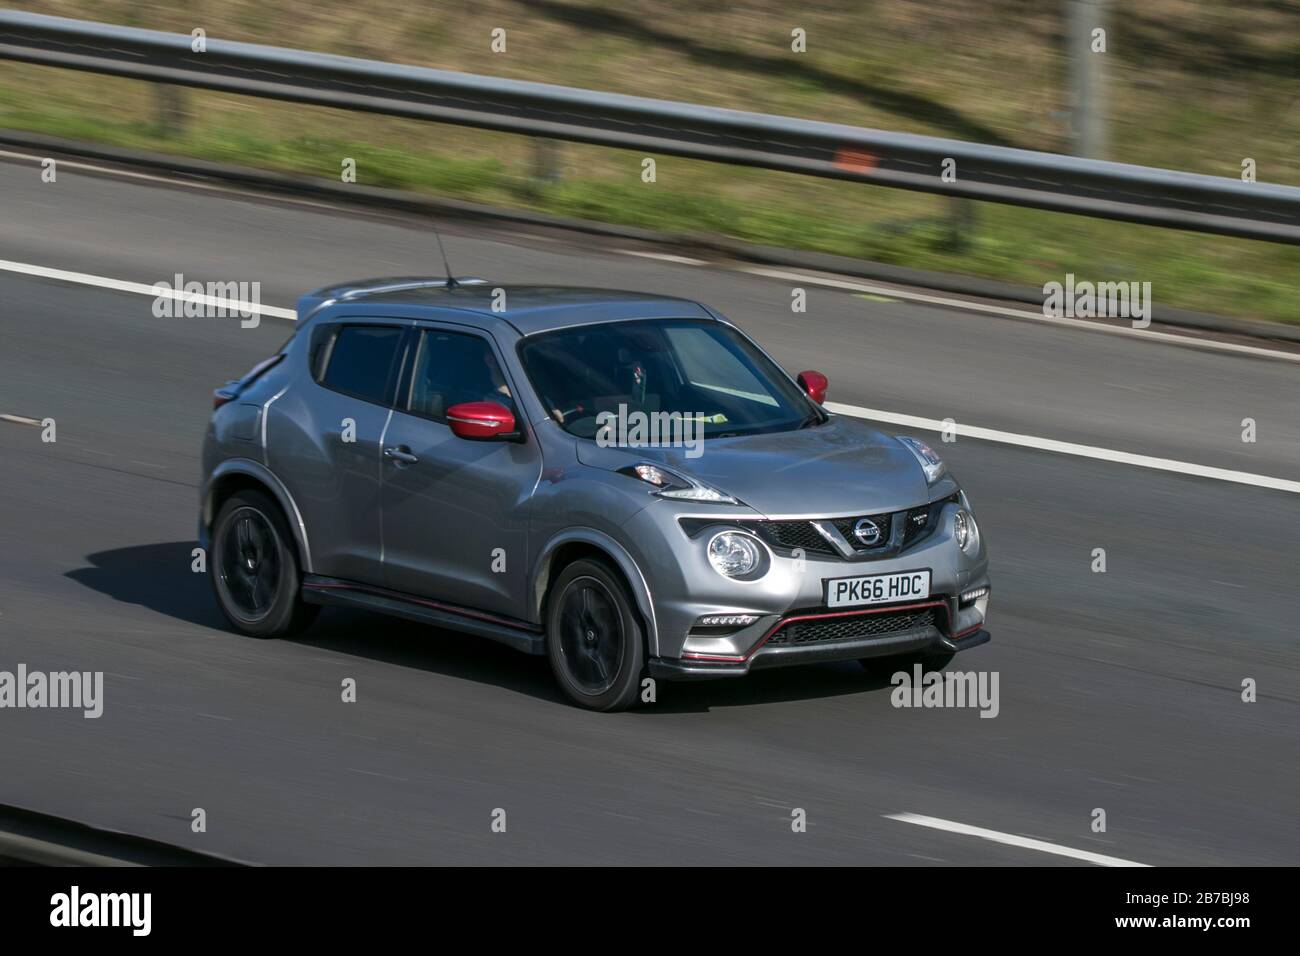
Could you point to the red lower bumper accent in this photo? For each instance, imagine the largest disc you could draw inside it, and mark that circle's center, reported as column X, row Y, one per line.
column 820, row 616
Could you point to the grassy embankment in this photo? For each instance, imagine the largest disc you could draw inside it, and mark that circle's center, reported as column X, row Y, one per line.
column 1194, row 85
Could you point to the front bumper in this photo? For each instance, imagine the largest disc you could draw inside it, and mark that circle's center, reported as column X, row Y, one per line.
column 685, row 590
column 926, row 640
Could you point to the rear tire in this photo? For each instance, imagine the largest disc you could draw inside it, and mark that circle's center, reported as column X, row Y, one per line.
column 594, row 637
column 254, row 568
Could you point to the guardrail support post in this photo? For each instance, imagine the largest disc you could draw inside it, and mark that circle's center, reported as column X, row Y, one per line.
column 961, row 222
column 171, row 105
column 546, row 164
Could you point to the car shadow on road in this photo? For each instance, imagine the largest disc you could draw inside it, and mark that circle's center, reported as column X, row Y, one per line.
column 393, row 640
column 411, row 644
column 154, row 576
column 159, row 577
column 786, row 684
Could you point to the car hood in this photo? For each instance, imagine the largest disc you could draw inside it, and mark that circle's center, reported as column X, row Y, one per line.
column 843, row 467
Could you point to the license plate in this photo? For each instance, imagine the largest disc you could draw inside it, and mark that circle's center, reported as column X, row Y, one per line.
column 878, row 589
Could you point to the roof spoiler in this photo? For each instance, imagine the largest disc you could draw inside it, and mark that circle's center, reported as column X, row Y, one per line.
column 347, row 291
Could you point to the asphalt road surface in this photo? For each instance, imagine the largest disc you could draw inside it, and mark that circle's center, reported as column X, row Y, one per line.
column 1119, row 691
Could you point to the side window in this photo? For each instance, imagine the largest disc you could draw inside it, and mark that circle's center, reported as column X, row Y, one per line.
column 362, row 362
column 453, row 367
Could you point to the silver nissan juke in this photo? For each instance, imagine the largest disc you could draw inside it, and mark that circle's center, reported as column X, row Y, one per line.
column 625, row 483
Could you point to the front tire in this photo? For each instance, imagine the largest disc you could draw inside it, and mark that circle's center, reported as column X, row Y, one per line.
column 594, row 637
column 254, row 568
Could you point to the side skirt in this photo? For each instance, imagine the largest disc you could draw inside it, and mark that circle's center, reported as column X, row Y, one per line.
column 520, row 635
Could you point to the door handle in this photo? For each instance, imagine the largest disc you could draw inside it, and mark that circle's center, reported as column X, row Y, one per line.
column 401, row 454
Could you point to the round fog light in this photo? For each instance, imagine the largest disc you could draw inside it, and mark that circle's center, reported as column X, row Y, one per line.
column 734, row 554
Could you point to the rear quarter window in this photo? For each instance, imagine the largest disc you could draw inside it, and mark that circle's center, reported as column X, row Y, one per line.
column 362, row 360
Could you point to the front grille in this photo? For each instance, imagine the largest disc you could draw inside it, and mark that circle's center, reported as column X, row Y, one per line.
column 827, row 630
column 794, row 534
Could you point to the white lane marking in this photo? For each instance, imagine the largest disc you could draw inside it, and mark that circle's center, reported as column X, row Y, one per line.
column 661, row 257
column 140, row 288
column 887, row 291
column 19, row 420
column 1070, row 448
column 909, row 421
column 1168, row 338
column 1011, row 839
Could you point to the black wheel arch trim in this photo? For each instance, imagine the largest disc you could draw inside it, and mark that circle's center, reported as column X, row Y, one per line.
column 542, row 577
column 248, row 468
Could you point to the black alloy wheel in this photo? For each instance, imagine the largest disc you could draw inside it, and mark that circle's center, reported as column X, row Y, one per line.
column 594, row 637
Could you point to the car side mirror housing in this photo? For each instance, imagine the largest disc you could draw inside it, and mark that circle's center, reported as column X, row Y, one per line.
column 482, row 421
column 815, row 385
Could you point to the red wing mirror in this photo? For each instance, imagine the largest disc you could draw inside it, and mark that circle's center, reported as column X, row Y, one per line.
column 815, row 384
column 481, row 420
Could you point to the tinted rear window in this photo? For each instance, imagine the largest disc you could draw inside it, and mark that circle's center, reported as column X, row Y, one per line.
column 363, row 362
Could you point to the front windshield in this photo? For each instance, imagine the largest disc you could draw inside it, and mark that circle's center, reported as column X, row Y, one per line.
column 704, row 371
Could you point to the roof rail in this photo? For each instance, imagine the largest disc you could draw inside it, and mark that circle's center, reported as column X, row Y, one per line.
column 313, row 302
column 402, row 285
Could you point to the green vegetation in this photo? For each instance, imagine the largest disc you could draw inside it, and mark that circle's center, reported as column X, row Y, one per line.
column 1186, row 92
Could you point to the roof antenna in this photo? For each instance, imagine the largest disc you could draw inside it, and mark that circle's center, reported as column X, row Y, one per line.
column 451, row 280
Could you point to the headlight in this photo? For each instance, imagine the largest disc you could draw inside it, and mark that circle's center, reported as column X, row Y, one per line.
column 926, row 456
column 966, row 531
column 734, row 554
column 669, row 484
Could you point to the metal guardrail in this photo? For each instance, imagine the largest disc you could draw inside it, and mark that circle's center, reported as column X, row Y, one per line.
column 992, row 173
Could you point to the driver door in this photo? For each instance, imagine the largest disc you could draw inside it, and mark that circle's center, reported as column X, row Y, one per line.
column 455, row 511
